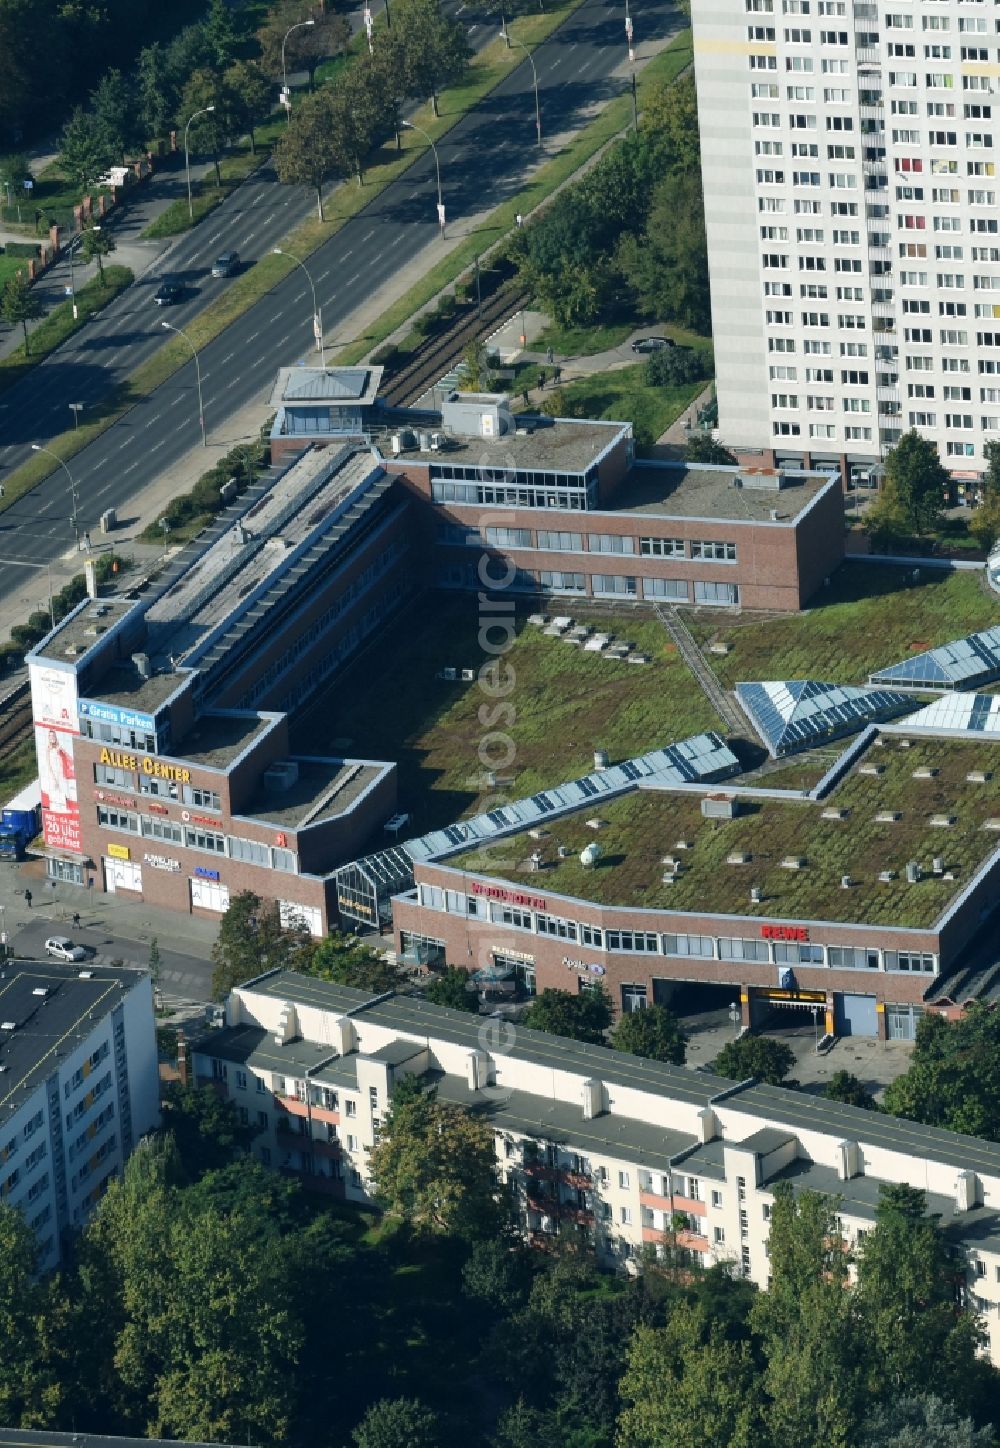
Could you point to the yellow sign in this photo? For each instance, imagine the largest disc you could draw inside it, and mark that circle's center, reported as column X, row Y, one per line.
column 119, row 852
column 117, row 759
column 819, row 996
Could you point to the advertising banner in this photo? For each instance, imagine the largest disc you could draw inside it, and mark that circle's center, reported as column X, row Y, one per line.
column 54, row 710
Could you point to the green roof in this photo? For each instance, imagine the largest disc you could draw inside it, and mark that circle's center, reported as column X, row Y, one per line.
column 648, row 825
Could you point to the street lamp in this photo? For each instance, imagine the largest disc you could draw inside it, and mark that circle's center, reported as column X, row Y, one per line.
column 72, row 280
column 513, row 40
column 815, row 1011
column 37, row 447
column 187, row 157
column 317, row 314
column 286, row 99
column 735, row 1015
column 76, row 408
column 437, row 165
column 197, row 368
column 630, row 41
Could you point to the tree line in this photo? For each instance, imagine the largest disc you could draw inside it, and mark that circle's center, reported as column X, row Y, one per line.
column 628, row 240
column 234, row 1307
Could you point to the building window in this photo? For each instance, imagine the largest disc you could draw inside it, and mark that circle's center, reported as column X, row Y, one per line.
column 674, row 589
column 625, row 1216
column 241, row 1080
column 662, row 547
column 719, row 1234
column 557, row 542
column 716, row 593
column 610, row 543
column 716, row 1199
column 713, row 552
column 509, row 537
column 624, row 1182
column 555, row 581
column 207, row 840
column 118, row 819
column 613, row 585
column 262, row 1120
column 350, row 1107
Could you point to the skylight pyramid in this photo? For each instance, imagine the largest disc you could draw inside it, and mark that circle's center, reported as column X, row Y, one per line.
column 793, row 714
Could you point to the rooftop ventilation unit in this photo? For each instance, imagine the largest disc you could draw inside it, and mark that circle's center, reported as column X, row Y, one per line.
column 142, row 664
column 41, row 990
column 8, row 1025
column 912, row 872
column 281, row 776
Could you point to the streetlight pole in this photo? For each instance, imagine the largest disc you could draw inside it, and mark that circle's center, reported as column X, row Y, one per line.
column 629, row 37
column 187, row 155
column 37, row 447
column 76, row 408
column 197, row 369
column 317, row 314
column 409, row 126
column 513, row 40
column 286, row 99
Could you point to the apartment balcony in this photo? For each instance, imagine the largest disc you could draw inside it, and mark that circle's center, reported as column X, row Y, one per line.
column 580, row 1180
column 571, row 1212
column 330, row 1150
column 655, row 1202
column 292, row 1105
column 540, row 1171
column 689, row 1205
column 693, row 1241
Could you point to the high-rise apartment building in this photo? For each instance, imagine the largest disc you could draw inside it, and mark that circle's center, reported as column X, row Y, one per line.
column 853, row 234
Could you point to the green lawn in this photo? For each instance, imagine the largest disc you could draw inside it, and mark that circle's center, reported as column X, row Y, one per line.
column 59, row 324
column 582, row 341
column 644, row 826
column 563, row 704
column 870, row 616
column 10, row 266
column 17, row 769
column 625, row 396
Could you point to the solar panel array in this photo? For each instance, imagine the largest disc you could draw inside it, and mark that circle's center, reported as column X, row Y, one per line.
column 963, row 663
column 701, row 758
column 793, row 714
column 959, row 714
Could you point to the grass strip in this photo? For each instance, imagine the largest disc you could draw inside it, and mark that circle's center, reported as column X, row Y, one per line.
column 485, row 72
column 611, row 122
column 234, row 169
column 60, row 324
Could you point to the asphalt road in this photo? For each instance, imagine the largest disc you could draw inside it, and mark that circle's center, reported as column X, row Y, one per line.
column 483, row 159
column 182, row 976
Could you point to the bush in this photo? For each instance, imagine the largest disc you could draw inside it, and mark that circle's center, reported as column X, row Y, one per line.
column 23, row 248
column 675, row 365
column 387, row 356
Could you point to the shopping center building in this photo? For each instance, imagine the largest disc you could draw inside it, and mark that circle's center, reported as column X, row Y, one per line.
column 587, row 1139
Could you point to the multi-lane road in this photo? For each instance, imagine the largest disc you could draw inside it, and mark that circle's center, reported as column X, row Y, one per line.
column 483, row 160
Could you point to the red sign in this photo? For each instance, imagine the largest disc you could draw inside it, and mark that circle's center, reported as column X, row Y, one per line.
column 160, row 809
column 212, row 820
column 784, row 932
column 509, row 897
column 121, row 800
column 281, row 840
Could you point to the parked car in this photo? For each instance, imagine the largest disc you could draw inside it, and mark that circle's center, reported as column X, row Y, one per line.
column 652, row 344
column 226, row 265
column 168, row 294
column 62, row 948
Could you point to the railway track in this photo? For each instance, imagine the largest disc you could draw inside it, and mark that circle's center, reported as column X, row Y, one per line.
column 412, row 381
column 15, row 726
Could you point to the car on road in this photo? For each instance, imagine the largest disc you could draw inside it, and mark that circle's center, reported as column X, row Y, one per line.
column 168, row 294
column 652, row 344
column 226, row 265
column 62, row 948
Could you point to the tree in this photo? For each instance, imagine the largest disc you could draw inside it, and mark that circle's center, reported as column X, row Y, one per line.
column 478, row 361
column 435, row 1165
column 329, row 35
column 923, row 1422
column 250, row 91
column 985, row 522
column 701, row 447
column 115, row 107
column 305, row 155
column 761, row 1057
column 915, row 481
column 910, row 1282
column 953, row 1078
column 251, row 941
column 18, row 303
column 155, row 94
column 430, row 50
column 155, row 961
column 667, row 266
column 654, row 1033
column 346, row 961
column 807, row 1323
column 221, row 39
column 214, row 129
column 498, row 1273
column 844, row 1086
column 29, row 1388
column 674, row 366
column 685, row 1386
column 583, row 1017
column 206, row 1129
column 86, row 150
column 97, row 242
column 393, row 1421
column 452, row 989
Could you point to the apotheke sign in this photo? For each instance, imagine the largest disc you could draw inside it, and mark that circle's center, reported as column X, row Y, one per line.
column 588, row 965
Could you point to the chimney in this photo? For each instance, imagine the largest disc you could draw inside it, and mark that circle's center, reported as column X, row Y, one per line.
column 966, row 1191
column 848, row 1160
column 477, row 1070
column 593, row 1099
column 345, row 1039
column 286, row 1029
column 708, row 1125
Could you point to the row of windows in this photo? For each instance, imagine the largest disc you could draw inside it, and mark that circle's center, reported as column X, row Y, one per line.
column 705, row 947
column 125, row 779
column 82, row 1072
column 196, row 837
column 603, row 585
column 86, row 1102
column 697, row 549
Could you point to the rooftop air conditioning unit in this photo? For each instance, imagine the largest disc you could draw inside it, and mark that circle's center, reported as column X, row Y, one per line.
column 142, row 664
column 281, row 776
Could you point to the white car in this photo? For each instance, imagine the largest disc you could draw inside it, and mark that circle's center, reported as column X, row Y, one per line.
column 63, row 948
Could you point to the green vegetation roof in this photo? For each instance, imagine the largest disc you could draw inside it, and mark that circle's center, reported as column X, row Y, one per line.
column 646, row 826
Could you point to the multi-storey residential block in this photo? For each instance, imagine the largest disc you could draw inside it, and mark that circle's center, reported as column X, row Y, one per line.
column 79, row 1088
column 850, row 197
column 629, row 1150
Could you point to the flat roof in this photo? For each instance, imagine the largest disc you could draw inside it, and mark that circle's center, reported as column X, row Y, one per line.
column 125, row 686
column 80, row 631
column 324, row 789
column 36, row 1030
column 563, row 445
column 215, row 740
column 646, row 826
column 681, row 490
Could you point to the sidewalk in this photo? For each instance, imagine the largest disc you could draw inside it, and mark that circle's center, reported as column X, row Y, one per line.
column 131, row 920
column 125, row 223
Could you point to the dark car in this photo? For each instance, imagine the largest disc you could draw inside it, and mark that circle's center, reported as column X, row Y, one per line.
column 168, row 294
column 226, row 265
column 652, row 344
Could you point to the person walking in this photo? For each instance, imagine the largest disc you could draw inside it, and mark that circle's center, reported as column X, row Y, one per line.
column 27, row 898
column 76, row 920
